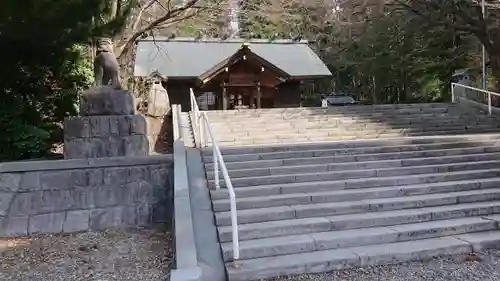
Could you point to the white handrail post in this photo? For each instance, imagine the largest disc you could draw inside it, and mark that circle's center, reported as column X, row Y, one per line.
column 175, row 121
column 199, row 129
column 195, row 118
column 234, row 224
column 200, row 132
column 205, row 130
column 453, row 92
column 489, row 103
column 215, row 160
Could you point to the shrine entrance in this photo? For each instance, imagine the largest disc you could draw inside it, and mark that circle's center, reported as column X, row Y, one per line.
column 245, row 81
column 241, row 86
column 244, row 97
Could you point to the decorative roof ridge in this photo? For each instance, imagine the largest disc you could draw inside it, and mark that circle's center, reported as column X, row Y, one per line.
column 221, row 41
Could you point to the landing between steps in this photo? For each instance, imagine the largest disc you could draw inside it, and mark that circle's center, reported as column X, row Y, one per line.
column 329, row 260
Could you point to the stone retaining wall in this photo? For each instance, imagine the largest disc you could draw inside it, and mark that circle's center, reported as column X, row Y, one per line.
column 84, row 194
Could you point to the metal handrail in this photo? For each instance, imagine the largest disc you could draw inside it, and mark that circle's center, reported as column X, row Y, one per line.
column 175, row 120
column 219, row 163
column 489, row 93
column 195, row 118
column 202, row 125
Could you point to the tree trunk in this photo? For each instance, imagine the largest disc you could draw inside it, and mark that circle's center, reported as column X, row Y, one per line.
column 114, row 9
column 495, row 70
column 406, row 88
column 495, row 67
column 374, row 92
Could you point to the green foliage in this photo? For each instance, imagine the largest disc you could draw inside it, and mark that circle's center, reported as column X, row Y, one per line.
column 43, row 68
column 396, row 60
column 392, row 57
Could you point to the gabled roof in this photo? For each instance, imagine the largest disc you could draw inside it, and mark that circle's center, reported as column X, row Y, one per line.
column 188, row 57
column 238, row 56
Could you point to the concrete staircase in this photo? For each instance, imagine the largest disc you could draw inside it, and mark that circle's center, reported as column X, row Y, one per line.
column 419, row 181
column 185, row 129
column 299, row 125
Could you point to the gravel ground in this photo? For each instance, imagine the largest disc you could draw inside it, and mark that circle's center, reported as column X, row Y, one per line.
column 479, row 267
column 139, row 254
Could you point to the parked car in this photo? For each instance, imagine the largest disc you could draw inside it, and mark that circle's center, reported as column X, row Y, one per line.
column 341, row 100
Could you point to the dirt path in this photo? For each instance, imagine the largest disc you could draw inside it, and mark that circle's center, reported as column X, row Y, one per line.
column 144, row 255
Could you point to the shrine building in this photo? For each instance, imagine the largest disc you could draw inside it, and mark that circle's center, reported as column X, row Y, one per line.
column 232, row 73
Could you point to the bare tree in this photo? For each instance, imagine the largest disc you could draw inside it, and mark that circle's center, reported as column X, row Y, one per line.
column 144, row 17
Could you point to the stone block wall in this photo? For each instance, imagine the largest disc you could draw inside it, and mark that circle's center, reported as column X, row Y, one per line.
column 84, row 194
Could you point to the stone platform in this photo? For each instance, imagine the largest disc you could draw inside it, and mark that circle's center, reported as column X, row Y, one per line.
column 108, row 126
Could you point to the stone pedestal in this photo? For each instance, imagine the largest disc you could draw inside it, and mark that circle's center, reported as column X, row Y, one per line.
column 108, row 126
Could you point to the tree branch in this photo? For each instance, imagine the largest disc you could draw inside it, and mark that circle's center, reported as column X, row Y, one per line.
column 141, row 11
column 168, row 15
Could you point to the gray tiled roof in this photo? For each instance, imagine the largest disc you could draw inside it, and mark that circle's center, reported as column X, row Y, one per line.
column 186, row 57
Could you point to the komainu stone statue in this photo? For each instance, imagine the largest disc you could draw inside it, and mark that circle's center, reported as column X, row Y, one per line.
column 106, row 66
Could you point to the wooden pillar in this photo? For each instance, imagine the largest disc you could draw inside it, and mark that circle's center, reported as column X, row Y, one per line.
column 259, row 96
column 224, row 97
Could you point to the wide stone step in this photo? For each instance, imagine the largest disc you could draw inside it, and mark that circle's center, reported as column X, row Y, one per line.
column 319, row 241
column 348, row 152
column 329, row 127
column 352, row 124
column 303, row 138
column 340, row 144
column 351, row 107
column 331, row 110
column 334, row 117
column 298, row 161
column 344, row 114
column 275, row 189
column 305, row 198
column 387, row 253
column 358, row 174
column 359, row 220
column 369, row 205
column 333, row 130
column 325, row 132
column 305, row 111
column 357, row 165
column 349, row 124
column 359, row 115
column 252, row 154
column 306, row 140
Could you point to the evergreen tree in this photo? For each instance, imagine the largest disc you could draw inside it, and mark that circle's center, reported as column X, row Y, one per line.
column 43, row 67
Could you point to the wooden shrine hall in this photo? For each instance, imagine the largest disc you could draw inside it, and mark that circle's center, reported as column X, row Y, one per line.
column 230, row 74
